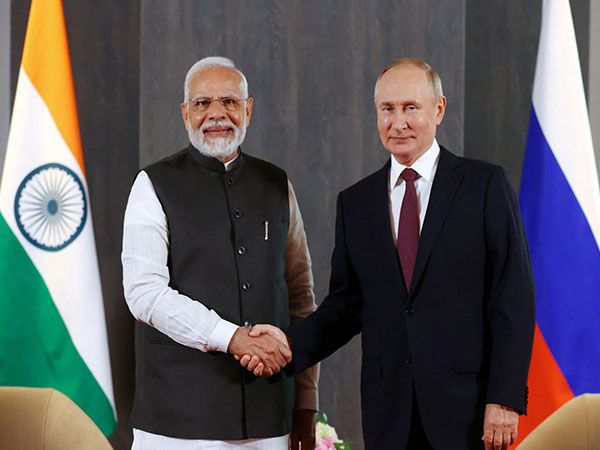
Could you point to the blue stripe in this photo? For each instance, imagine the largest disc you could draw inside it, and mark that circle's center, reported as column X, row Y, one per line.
column 566, row 264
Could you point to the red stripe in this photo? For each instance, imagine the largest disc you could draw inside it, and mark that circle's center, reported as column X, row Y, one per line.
column 548, row 388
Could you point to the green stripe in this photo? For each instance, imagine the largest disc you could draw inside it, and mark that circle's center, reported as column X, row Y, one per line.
column 35, row 347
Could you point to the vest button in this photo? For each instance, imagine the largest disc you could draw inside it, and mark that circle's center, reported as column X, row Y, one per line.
column 246, row 286
column 237, row 214
column 230, row 181
column 241, row 250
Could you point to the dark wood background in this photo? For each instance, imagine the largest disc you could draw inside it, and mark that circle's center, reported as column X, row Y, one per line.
column 311, row 67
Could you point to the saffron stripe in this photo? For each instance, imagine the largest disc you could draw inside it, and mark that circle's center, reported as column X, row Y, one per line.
column 48, row 65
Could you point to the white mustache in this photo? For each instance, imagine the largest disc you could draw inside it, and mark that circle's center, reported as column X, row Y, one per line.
column 216, row 123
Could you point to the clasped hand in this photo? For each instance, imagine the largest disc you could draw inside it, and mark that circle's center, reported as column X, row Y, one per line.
column 263, row 350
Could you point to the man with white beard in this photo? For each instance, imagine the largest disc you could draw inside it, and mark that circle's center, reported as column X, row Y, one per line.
column 214, row 242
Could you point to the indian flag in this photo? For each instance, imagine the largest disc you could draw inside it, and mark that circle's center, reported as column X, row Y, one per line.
column 52, row 326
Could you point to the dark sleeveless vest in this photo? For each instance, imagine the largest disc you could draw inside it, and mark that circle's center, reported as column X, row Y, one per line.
column 221, row 255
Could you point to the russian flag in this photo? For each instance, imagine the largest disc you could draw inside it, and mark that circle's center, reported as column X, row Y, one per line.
column 560, row 203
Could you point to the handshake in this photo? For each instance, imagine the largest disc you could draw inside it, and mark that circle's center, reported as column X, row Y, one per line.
column 263, row 349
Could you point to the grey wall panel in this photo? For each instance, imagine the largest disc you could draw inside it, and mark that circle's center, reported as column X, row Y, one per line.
column 581, row 12
column 311, row 67
column 104, row 46
column 594, row 77
column 4, row 77
column 501, row 50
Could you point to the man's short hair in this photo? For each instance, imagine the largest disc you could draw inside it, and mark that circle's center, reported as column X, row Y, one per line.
column 212, row 62
column 435, row 82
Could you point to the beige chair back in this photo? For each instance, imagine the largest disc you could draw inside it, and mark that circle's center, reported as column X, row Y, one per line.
column 574, row 426
column 35, row 418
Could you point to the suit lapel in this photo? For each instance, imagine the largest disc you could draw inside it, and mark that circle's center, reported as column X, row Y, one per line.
column 446, row 182
column 381, row 229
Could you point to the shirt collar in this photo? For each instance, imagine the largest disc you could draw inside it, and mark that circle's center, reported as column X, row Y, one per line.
column 424, row 166
column 228, row 164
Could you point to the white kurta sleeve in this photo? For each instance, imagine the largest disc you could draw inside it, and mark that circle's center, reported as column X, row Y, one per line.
column 146, row 277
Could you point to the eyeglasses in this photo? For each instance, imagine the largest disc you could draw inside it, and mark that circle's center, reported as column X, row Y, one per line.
column 203, row 103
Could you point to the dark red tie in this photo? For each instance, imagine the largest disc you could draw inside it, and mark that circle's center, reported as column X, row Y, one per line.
column 408, row 227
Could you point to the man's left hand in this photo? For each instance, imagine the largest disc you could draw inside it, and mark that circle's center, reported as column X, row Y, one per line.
column 303, row 430
column 499, row 427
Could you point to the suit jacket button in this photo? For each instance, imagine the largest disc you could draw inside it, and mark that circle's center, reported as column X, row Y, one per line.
column 237, row 214
column 247, row 324
column 408, row 359
column 410, row 311
column 241, row 250
column 246, row 286
column 230, row 181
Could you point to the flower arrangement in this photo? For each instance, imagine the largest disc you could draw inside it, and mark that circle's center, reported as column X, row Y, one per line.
column 326, row 436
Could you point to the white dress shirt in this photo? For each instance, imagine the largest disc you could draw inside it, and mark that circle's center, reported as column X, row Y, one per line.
column 152, row 301
column 426, row 167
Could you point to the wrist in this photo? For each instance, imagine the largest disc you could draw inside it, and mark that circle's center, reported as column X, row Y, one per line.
column 221, row 335
column 233, row 346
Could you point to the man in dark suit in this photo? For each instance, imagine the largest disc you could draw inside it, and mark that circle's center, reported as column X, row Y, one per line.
column 431, row 264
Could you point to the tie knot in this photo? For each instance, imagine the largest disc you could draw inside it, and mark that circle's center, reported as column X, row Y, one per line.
column 409, row 174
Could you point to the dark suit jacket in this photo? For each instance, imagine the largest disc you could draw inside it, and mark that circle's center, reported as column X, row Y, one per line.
column 460, row 336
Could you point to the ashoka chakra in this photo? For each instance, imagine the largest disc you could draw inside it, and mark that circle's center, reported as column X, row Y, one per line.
column 50, row 207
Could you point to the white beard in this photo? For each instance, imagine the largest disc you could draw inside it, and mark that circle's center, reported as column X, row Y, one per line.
column 219, row 147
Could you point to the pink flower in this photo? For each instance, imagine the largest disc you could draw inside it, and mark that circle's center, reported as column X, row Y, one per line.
column 325, row 444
